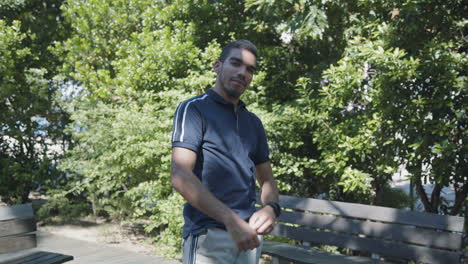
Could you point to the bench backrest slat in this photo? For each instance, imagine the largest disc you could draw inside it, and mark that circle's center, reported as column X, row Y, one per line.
column 15, row 243
column 443, row 222
column 387, row 248
column 16, row 211
column 15, row 223
column 20, row 226
column 388, row 231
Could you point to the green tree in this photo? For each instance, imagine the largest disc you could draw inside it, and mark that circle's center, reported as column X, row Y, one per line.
column 433, row 120
column 355, row 112
column 135, row 61
column 396, row 97
column 31, row 123
column 358, row 142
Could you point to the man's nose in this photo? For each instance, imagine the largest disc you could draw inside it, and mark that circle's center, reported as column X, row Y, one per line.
column 242, row 72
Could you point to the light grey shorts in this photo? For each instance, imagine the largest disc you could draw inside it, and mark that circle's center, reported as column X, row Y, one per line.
column 216, row 247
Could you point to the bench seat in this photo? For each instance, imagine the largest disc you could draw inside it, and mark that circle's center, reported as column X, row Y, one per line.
column 42, row 257
column 307, row 255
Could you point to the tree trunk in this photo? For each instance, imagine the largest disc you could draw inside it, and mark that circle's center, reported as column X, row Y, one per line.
column 435, row 197
column 378, row 188
column 460, row 197
column 412, row 194
column 422, row 194
column 25, row 195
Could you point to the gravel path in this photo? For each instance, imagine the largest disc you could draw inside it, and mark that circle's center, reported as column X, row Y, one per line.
column 110, row 239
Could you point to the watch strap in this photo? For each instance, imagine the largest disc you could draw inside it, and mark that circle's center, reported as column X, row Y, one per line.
column 276, row 208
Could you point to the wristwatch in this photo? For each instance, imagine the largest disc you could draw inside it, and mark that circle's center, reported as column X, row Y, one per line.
column 276, row 208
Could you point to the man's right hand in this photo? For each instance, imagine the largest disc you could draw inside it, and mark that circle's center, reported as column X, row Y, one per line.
column 242, row 234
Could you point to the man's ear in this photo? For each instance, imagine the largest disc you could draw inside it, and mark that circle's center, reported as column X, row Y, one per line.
column 217, row 66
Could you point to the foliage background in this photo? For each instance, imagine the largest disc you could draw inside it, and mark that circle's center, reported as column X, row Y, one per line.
column 348, row 92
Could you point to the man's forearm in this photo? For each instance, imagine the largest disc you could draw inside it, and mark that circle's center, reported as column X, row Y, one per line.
column 263, row 220
column 269, row 189
column 269, row 192
column 190, row 187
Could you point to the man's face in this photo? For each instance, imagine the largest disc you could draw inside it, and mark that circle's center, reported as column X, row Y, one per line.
column 236, row 72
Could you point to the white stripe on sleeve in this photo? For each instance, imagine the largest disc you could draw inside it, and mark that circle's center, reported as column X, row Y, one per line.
column 175, row 123
column 181, row 139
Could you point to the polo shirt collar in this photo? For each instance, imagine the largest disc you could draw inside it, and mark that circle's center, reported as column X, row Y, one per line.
column 218, row 98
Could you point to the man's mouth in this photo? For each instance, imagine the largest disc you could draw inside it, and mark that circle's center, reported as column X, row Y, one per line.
column 239, row 82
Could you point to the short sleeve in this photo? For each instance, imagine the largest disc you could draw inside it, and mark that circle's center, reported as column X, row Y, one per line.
column 262, row 153
column 187, row 129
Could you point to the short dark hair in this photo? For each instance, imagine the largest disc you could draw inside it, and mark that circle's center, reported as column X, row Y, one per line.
column 238, row 44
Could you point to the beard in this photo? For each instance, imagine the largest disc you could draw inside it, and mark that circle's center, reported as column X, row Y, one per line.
column 232, row 92
column 229, row 90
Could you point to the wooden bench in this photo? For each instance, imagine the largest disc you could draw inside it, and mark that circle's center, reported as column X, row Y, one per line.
column 379, row 234
column 17, row 234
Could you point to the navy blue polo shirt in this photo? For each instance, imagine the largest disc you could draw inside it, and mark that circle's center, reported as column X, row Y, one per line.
column 229, row 144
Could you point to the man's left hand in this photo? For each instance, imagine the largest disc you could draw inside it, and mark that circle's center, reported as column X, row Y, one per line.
column 263, row 220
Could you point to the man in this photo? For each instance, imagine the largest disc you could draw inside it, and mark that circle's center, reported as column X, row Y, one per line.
column 219, row 149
